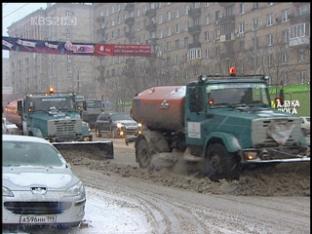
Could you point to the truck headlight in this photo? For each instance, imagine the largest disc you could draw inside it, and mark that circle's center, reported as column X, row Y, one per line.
column 119, row 125
column 76, row 190
column 250, row 155
column 6, row 192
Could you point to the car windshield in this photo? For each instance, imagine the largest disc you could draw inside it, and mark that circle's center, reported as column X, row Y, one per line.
column 238, row 94
column 15, row 153
column 121, row 116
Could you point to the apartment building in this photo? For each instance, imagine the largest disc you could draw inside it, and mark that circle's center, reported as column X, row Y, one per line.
column 32, row 72
column 256, row 37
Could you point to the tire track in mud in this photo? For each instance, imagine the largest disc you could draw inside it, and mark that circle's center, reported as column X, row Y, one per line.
column 164, row 215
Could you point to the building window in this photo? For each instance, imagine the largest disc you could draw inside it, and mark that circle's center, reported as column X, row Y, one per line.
column 160, row 19
column 177, row 44
column 206, row 36
column 255, row 42
column 241, row 8
column 229, row 11
column 187, row 10
column 169, row 15
column 241, row 28
column 297, row 30
column 197, row 4
column 169, row 32
column 269, row 20
column 270, row 39
column 255, row 5
column 185, row 42
column 217, row 15
column 284, row 57
column 161, row 34
column 285, row 16
column 177, row 13
column 177, row 28
column 242, row 44
column 304, row 9
column 138, row 13
column 285, row 36
column 302, row 77
column 206, row 53
column 270, row 60
column 207, row 19
column 301, row 55
column 255, row 23
column 194, row 53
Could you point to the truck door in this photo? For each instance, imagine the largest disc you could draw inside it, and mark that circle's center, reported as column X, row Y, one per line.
column 195, row 114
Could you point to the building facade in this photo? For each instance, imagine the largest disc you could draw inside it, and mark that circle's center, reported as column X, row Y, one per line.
column 32, row 72
column 188, row 38
column 267, row 38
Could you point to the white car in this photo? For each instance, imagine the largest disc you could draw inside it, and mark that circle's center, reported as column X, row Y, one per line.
column 305, row 125
column 8, row 127
column 38, row 186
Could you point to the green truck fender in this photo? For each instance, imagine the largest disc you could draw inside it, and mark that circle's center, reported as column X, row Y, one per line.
column 229, row 141
column 36, row 132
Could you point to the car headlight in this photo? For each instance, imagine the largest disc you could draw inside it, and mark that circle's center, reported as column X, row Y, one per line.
column 119, row 125
column 6, row 192
column 139, row 125
column 76, row 190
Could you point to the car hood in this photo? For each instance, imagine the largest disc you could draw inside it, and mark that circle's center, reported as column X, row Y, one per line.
column 126, row 122
column 22, row 178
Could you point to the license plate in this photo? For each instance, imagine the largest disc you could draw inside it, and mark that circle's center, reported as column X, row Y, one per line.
column 37, row 219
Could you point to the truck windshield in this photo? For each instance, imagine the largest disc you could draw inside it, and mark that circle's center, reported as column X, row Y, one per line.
column 45, row 103
column 238, row 94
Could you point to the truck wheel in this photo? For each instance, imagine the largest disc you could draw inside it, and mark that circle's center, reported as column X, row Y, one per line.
column 142, row 153
column 219, row 163
column 98, row 132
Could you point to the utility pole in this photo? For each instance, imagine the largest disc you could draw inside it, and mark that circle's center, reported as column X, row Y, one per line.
column 78, row 82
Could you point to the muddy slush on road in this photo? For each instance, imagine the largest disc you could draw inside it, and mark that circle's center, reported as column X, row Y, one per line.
column 279, row 180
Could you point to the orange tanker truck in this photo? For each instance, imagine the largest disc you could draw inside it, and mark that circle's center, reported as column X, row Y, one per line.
column 222, row 122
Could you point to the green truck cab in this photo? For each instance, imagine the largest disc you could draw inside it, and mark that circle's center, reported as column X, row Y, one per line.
column 53, row 117
column 224, row 122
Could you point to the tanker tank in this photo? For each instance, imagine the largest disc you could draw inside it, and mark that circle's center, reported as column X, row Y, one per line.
column 160, row 108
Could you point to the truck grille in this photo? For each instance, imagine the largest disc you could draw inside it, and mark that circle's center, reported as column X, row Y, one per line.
column 260, row 136
column 39, row 208
column 65, row 128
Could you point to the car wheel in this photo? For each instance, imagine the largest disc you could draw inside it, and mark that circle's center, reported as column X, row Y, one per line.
column 98, row 132
column 219, row 163
column 142, row 152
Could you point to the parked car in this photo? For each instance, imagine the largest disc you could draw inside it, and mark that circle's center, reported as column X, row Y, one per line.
column 8, row 127
column 39, row 188
column 116, row 124
column 305, row 125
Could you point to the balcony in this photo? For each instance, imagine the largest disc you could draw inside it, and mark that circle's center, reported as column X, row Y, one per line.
column 195, row 44
column 226, row 4
column 226, row 19
column 194, row 12
column 151, row 27
column 296, row 18
column 129, row 21
column 299, row 41
column 150, row 13
column 195, row 29
column 129, row 7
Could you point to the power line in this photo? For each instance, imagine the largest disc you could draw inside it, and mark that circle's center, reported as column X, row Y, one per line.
column 16, row 10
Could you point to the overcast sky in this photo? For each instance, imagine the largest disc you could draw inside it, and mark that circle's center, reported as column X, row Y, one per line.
column 12, row 12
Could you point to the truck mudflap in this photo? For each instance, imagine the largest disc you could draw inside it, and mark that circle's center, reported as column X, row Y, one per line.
column 100, row 149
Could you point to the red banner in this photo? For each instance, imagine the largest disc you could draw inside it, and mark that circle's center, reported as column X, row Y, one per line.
column 119, row 50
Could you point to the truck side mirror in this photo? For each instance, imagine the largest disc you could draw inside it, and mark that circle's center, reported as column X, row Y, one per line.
column 281, row 96
column 84, row 105
column 19, row 107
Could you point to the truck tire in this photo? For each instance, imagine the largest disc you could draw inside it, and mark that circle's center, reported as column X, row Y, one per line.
column 219, row 163
column 142, row 152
